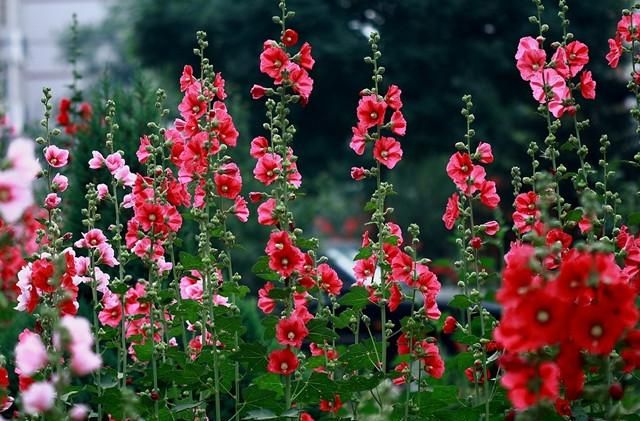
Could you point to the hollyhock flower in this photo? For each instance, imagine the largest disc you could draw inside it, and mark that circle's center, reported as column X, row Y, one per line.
column 387, row 151
column 265, row 212
column 111, row 313
column 60, row 183
column 106, row 255
column 191, row 287
column 488, row 195
column 305, row 416
column 452, row 211
column 484, row 153
column 114, row 162
column 450, row 324
column 528, row 384
column 587, row 85
column 31, row 354
column 466, row 176
column 79, row 412
column 291, row 331
column 577, row 55
column 289, row 38
column 525, row 44
column 52, row 201
column 240, row 209
column 97, row 161
column 259, row 147
column 392, row 98
column 125, row 176
column 143, row 153
column 518, row 276
column 629, row 27
column 304, row 57
column 92, row 239
column 358, row 140
column 273, row 59
column 265, row 303
column 328, row 279
column 398, row 123
column 218, row 83
column 301, row 82
column 282, row 361
column 395, row 297
column 258, row 91
column 16, row 195
column 21, row 155
column 332, row 406
column 430, row 355
column 371, row 111
column 615, row 52
column 364, row 270
column 547, row 85
column 56, row 157
column 531, row 63
column 287, row 260
column 191, row 106
column 278, row 240
column 84, row 361
column 402, row 268
column 38, row 398
column 228, row 181
column 358, row 173
column 187, row 80
column 42, row 271
column 267, row 168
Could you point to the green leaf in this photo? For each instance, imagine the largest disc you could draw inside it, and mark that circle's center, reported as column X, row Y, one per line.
column 575, row 215
column 364, row 253
column 144, row 351
column 342, row 320
column 319, row 386
column 319, row 332
column 253, row 354
column 634, row 219
column 360, row 383
column 270, row 381
column 362, row 355
column 190, row 262
column 262, row 270
column 460, row 301
column 279, row 293
column 357, row 298
column 185, row 405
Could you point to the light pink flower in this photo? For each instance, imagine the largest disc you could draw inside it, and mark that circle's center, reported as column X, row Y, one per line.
column 52, row 201
column 79, row 412
column 22, row 157
column 56, row 157
column 114, row 162
column 15, row 194
column 31, row 355
column 97, row 161
column 103, row 191
column 38, row 398
column 60, row 183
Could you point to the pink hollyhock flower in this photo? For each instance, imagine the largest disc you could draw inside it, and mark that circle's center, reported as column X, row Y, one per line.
column 491, row 227
column 187, row 80
column 466, row 176
column 561, row 104
column 387, row 151
column 240, row 209
column 531, row 63
column 615, row 52
column 371, row 111
column 111, row 313
column 267, row 168
column 143, row 150
column 302, row 83
column 488, row 195
column 60, row 183
column 290, row 38
column 585, row 224
column 191, row 286
column 218, row 83
column 398, row 123
column 125, row 176
column 114, row 162
column 92, row 239
column 547, row 84
column 273, row 59
column 21, row 155
column 52, row 201
column 258, row 91
column 259, row 147
column 191, row 106
column 16, row 194
column 629, row 27
column 304, row 57
column 291, row 331
column 38, row 398
column 283, row 362
column 587, row 85
column 358, row 140
column 84, row 361
column 265, row 213
column 358, row 173
column 392, row 98
column 577, row 55
column 56, row 157
column 97, row 161
column 525, row 44
column 484, row 153
column 228, row 181
column 31, row 354
column 452, row 211
column 328, row 279
column 265, row 303
column 79, row 412
column 103, row 191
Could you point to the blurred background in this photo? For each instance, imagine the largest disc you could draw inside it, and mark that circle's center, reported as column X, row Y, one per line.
column 435, row 51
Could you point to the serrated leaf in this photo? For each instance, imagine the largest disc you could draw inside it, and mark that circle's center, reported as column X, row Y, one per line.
column 251, row 353
column 364, row 253
column 357, row 298
column 319, row 332
column 460, row 301
column 270, row 381
column 190, row 262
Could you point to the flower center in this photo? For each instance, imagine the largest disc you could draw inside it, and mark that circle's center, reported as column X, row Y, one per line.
column 270, row 173
column 543, row 316
column 285, row 262
column 291, row 336
column 152, row 217
column 384, row 154
column 284, row 366
column 277, row 63
column 5, row 194
column 54, row 160
column 373, row 115
column 224, row 188
column 572, row 56
column 195, row 109
column 596, row 331
column 464, row 168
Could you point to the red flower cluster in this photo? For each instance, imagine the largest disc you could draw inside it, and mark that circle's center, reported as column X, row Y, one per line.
column 626, row 32
column 66, row 112
column 585, row 308
column 550, row 81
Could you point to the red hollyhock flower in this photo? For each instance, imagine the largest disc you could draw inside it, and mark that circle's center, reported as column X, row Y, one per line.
column 358, row 140
column 228, row 181
column 332, row 406
column 615, row 52
column 265, row 213
column 329, row 280
column 286, row 261
column 258, row 91
column 531, row 63
column 364, row 269
column 402, row 268
column 395, row 297
column 4, row 378
column 278, row 240
column 577, row 55
column 41, row 275
column 191, row 106
column 387, row 151
column 259, row 147
column 301, row 82
column 528, row 384
column 398, row 123
column 273, row 59
column 290, row 38
column 587, row 85
column 392, row 98
column 371, row 111
column 358, row 173
column 484, row 153
column 265, row 303
column 488, row 195
column 267, row 168
column 304, row 57
column 628, row 27
column 570, row 362
column 187, row 80
column 450, row 324
column 291, row 331
column 461, row 170
column 305, row 416
column 282, row 361
column 474, row 375
column 430, row 355
column 451, row 212
column 240, row 209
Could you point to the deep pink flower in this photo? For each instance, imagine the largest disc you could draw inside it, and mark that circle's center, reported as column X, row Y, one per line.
column 358, row 173
column 143, row 150
column 283, row 362
column 52, row 201
column 111, row 313
column 629, row 27
column 525, row 44
column 484, row 153
column 259, row 147
column 258, row 91
column 587, row 85
column 56, row 157
column 240, row 209
column 60, row 183
column 187, row 80
column 265, row 212
column 488, row 195
column 548, row 85
column 392, row 98
column 491, row 227
column 191, row 106
column 304, row 58
column 267, row 168
column 531, row 63
column 577, row 56
column 615, row 52
column 452, row 211
column 371, row 111
column 273, row 59
column 358, row 140
column 398, row 123
column 228, row 181
column 387, row 151
column 291, row 331
column 265, row 303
